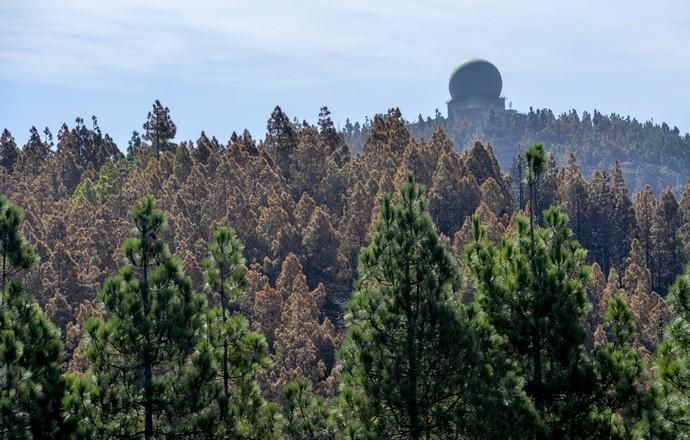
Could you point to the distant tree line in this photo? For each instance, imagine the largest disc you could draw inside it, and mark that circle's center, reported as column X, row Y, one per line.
column 652, row 153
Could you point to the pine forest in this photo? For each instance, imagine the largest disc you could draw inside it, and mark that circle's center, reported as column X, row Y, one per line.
column 389, row 280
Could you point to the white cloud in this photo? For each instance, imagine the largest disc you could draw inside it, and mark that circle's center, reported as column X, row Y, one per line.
column 101, row 43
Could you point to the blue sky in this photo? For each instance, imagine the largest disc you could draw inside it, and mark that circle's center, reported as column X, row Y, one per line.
column 223, row 65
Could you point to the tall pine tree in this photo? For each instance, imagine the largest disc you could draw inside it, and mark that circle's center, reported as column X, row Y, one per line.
column 239, row 353
column 413, row 360
column 670, row 417
column 31, row 388
column 533, row 291
column 224, row 275
column 159, row 129
column 141, row 352
column 8, row 151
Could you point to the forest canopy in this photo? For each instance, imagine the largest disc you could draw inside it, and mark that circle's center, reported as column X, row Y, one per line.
column 291, row 288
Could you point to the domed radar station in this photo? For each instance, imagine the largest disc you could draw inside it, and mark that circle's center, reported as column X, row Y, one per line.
column 475, row 90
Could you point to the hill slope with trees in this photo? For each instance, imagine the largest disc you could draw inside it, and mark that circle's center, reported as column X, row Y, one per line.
column 649, row 153
column 273, row 299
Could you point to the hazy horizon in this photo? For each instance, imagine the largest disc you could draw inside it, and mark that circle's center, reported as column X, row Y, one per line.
column 223, row 66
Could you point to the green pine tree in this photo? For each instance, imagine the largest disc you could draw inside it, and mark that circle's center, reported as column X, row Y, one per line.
column 305, row 413
column 31, row 388
column 159, row 129
column 415, row 361
column 145, row 372
column 621, row 372
column 239, row 353
column 670, row 418
column 532, row 289
column 8, row 151
column 536, row 162
column 224, row 274
column 17, row 254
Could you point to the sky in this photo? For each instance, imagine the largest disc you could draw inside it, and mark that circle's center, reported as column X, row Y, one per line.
column 223, row 65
